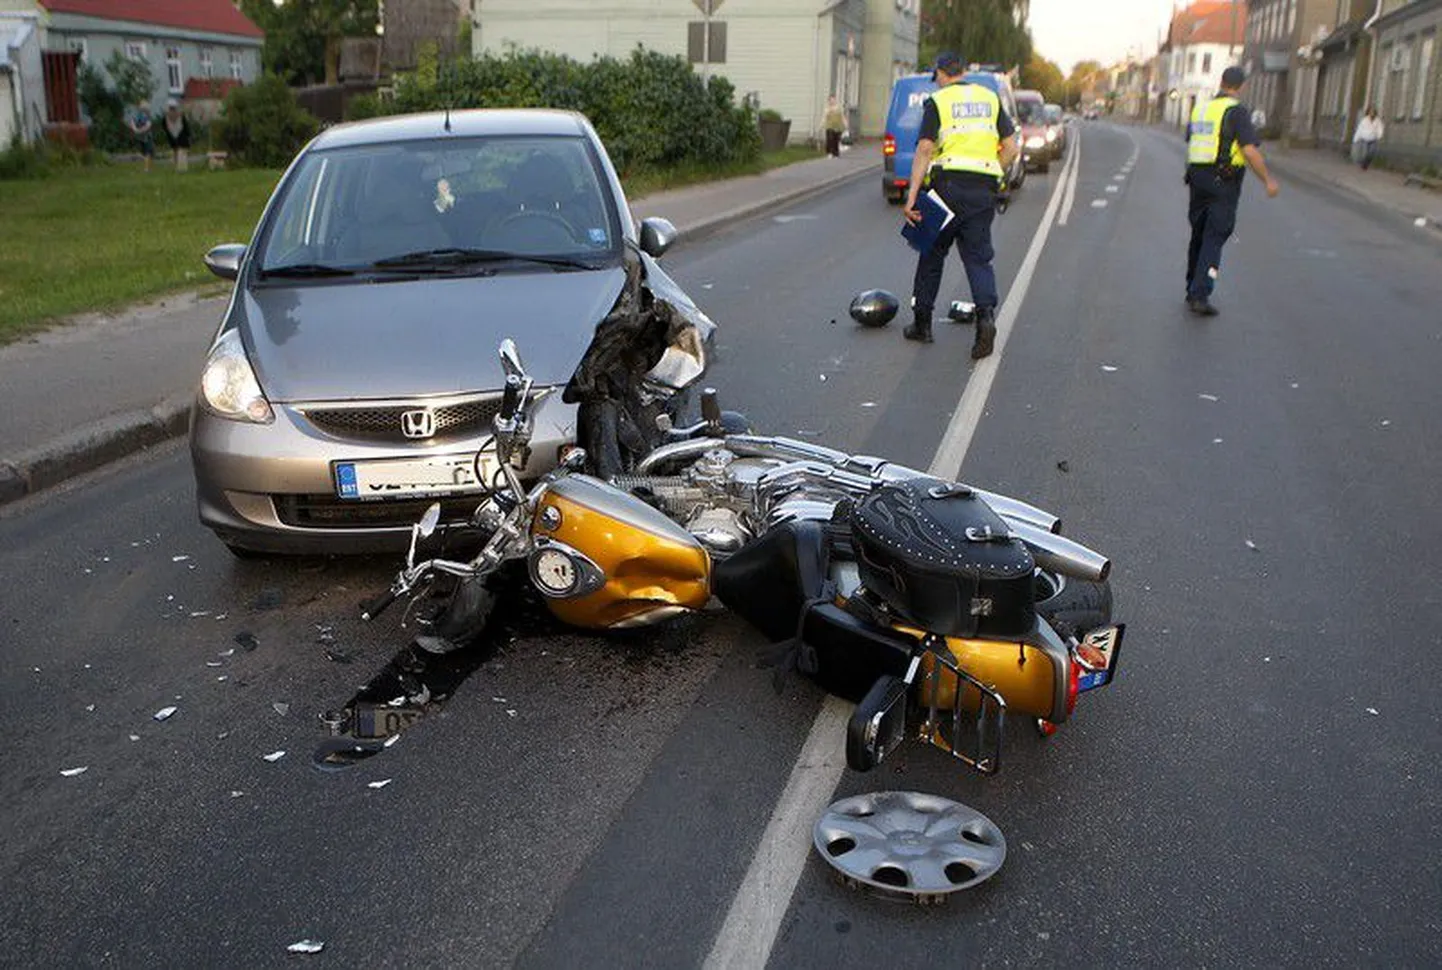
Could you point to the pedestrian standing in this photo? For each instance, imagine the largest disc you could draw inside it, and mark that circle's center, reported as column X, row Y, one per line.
column 967, row 142
column 1370, row 131
column 835, row 124
column 177, row 133
column 1221, row 146
column 141, row 125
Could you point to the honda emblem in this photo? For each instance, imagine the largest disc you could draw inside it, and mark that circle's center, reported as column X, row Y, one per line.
column 418, row 424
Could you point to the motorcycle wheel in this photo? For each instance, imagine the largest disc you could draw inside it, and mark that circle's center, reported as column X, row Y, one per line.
column 1072, row 606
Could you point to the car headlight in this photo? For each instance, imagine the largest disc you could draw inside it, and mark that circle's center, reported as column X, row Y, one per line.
column 228, row 384
column 1051, row 134
column 1034, row 141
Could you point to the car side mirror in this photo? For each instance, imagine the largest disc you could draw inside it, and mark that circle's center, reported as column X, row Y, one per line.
column 224, row 261
column 511, row 359
column 657, row 236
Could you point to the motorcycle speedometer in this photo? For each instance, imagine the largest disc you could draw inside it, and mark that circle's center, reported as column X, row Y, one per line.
column 554, row 572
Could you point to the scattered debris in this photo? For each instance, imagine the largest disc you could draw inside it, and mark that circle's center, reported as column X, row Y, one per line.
column 823, row 378
column 1295, row 385
column 214, row 663
column 222, row 735
column 90, row 708
column 391, row 740
column 868, row 404
column 1109, row 368
column 222, row 677
column 1063, row 466
column 195, row 614
column 248, row 641
column 510, row 712
column 274, row 756
column 135, row 737
column 1420, row 222
column 227, row 653
column 72, row 772
column 305, row 946
column 179, row 558
column 281, row 708
column 1371, row 710
column 396, row 701
column 164, row 713
column 1216, row 441
column 379, row 784
column 1252, row 546
column 236, row 794
column 339, row 657
column 1266, row 660
column 1386, row 423
column 1209, row 397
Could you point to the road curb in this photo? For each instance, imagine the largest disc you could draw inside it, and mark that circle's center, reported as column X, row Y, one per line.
column 101, row 442
column 92, row 446
column 1301, row 173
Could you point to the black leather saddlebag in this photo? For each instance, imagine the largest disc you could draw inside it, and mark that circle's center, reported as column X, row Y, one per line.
column 777, row 583
column 941, row 558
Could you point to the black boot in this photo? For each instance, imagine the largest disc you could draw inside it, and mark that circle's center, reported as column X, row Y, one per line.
column 919, row 330
column 985, row 332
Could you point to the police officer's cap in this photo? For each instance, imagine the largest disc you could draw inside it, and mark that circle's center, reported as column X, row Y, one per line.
column 950, row 62
column 1233, row 78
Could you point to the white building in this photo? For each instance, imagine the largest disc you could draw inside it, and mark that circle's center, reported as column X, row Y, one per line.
column 1204, row 39
column 789, row 54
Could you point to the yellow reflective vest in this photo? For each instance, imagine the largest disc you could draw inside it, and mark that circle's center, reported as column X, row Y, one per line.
column 1204, row 145
column 968, row 139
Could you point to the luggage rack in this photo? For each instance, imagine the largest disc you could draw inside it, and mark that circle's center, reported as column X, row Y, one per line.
column 984, row 755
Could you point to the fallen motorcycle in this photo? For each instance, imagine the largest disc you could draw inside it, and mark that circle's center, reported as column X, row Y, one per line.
column 939, row 607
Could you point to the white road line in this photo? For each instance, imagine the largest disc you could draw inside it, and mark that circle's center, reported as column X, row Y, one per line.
column 1070, row 178
column 761, row 901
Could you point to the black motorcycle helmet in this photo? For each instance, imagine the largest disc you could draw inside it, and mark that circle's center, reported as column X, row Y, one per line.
column 874, row 308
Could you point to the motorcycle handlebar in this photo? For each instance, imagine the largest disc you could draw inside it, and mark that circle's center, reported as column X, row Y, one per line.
column 378, row 604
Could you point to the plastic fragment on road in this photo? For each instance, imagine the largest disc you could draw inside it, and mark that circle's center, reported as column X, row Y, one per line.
column 214, row 663
column 868, row 404
column 823, row 378
column 305, row 946
column 380, row 784
column 1371, row 710
column 1109, row 368
column 72, row 772
column 274, row 756
column 1209, row 397
column 391, row 740
column 179, row 558
column 1252, row 546
column 90, row 708
column 1386, row 423
column 235, row 793
column 1063, row 466
column 338, row 657
column 135, row 737
column 164, row 713
column 1420, row 222
column 281, row 708
column 1216, row 441
column 227, row 653
column 510, row 712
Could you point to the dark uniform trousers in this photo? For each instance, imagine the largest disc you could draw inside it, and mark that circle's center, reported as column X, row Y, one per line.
column 1213, row 215
column 973, row 200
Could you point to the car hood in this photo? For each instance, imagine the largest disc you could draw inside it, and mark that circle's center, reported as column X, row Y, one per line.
column 404, row 338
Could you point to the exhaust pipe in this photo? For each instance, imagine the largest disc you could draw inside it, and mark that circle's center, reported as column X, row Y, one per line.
column 1058, row 553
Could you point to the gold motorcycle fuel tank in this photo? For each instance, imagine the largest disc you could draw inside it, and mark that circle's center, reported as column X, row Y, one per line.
column 646, row 567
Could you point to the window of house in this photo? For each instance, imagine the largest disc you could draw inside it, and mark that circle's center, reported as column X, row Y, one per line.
column 1382, row 77
column 207, row 62
column 235, row 64
column 1400, row 62
column 135, row 50
column 78, row 45
column 1424, row 70
column 703, row 49
column 1206, row 63
column 1192, row 63
column 172, row 70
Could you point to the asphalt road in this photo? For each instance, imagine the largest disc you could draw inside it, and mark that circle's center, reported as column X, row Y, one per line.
column 1254, row 790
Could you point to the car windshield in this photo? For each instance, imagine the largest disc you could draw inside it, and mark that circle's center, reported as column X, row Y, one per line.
column 1030, row 112
column 442, row 205
column 1053, row 114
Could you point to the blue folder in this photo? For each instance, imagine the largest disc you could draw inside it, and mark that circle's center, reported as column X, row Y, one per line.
column 935, row 216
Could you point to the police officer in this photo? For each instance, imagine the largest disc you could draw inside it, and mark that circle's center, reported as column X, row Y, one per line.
column 967, row 142
column 1221, row 145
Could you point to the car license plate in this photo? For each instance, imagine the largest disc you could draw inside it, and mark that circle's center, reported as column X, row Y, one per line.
column 383, row 720
column 434, row 476
column 1097, row 654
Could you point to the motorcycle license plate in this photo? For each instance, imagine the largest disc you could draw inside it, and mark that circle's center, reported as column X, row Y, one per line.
column 382, row 720
column 1097, row 654
column 435, row 476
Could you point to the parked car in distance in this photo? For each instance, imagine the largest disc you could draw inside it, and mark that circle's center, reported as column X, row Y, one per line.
column 1032, row 126
column 354, row 376
column 903, row 125
column 1056, row 127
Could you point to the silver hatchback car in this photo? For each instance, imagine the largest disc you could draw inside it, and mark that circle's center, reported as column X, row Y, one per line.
column 354, row 377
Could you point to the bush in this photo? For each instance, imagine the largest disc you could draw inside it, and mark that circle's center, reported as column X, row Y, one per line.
column 23, row 161
column 651, row 110
column 770, row 114
column 262, row 124
column 105, row 99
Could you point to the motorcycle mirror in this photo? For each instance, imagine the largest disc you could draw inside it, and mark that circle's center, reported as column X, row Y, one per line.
column 427, row 525
column 878, row 724
column 511, row 358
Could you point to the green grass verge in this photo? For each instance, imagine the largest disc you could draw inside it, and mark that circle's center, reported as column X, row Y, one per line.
column 98, row 238
column 86, row 239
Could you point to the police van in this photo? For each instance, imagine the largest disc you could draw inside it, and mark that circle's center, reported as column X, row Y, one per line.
column 903, row 124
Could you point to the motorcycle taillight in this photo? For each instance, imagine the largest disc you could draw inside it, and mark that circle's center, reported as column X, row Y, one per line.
column 1073, row 683
column 888, row 144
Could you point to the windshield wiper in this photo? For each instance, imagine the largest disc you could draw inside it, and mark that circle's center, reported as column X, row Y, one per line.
column 302, row 270
column 471, row 257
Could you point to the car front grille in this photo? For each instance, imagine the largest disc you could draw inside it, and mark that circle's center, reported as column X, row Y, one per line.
column 329, row 512
column 381, row 423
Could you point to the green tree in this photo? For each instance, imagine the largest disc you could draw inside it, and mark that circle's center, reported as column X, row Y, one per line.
column 1042, row 75
column 1083, row 77
column 981, row 31
column 106, row 96
column 302, row 37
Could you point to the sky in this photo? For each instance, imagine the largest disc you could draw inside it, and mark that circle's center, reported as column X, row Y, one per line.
column 1067, row 31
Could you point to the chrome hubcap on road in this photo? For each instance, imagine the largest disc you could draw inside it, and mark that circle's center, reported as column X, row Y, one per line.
column 909, row 843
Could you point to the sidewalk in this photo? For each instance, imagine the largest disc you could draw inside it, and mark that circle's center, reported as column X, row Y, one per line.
column 1387, row 190
column 99, row 387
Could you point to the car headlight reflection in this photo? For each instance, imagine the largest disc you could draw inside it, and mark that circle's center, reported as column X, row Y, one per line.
column 1051, row 134
column 1035, row 141
column 228, row 384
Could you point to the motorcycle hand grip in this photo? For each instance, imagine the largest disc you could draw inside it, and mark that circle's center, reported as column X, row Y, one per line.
column 511, row 398
column 378, row 604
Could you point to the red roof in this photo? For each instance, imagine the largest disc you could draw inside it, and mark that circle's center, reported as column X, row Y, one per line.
column 211, row 16
column 1210, row 22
